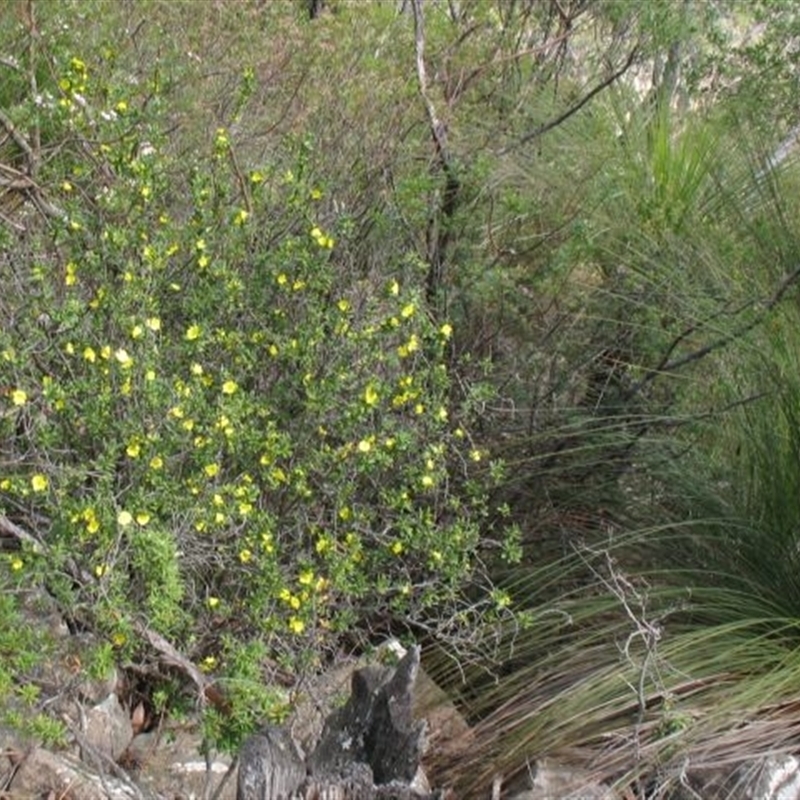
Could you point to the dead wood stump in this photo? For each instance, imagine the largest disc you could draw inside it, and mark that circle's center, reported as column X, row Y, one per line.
column 370, row 748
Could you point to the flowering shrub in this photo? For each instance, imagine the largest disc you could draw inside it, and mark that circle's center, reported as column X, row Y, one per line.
column 212, row 424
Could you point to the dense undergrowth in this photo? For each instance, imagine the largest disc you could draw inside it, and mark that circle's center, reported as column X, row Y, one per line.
column 474, row 326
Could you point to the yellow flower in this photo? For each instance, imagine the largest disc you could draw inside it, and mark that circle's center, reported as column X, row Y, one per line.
column 370, row 396
column 156, row 463
column 208, row 663
column 212, row 602
column 229, row 387
column 427, row 481
column 394, row 288
column 323, row 544
column 397, row 548
column 142, row 518
column 245, row 556
column 221, row 139
column 475, row 455
column 211, row 470
column 119, row 639
column 123, row 358
column 90, row 355
column 134, row 449
column 19, row 397
column 193, row 332
column 124, row 518
column 306, row 577
column 407, row 311
column 446, row 330
column 316, row 194
column 364, row 446
column 17, row 564
column 282, row 279
column 150, row 375
column 121, row 107
column 70, row 274
column 241, row 217
column 256, row 177
column 296, row 625
column 100, row 570
column 153, row 323
column 105, row 352
column 411, row 346
column 137, row 332
column 343, row 305
column 39, row 483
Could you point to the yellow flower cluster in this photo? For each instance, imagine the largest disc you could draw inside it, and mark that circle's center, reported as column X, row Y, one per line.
column 321, row 239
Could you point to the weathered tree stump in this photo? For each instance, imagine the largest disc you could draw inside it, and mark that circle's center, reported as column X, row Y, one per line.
column 370, row 748
column 270, row 766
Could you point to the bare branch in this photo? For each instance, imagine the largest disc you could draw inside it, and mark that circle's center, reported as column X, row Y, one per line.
column 10, row 528
column 19, row 140
column 667, row 364
column 172, row 657
column 438, row 129
column 438, row 233
column 574, row 109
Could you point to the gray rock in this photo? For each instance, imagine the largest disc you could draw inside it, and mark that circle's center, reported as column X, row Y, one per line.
column 170, row 764
column 550, row 780
column 776, row 778
column 108, row 728
column 42, row 773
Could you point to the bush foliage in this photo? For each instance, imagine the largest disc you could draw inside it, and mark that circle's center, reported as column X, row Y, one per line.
column 214, row 427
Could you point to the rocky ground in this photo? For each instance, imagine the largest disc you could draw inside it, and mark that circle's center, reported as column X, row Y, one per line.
column 117, row 749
